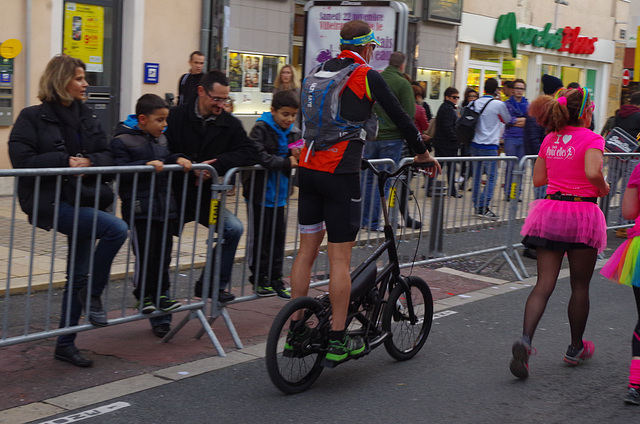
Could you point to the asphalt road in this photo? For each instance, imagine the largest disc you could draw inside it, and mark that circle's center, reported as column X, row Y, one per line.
column 460, row 376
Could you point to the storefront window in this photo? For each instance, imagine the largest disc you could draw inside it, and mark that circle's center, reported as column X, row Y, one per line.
column 514, row 68
column 434, row 83
column 569, row 74
column 251, row 79
column 485, row 55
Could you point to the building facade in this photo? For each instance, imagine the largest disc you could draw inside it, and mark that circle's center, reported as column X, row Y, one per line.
column 134, row 47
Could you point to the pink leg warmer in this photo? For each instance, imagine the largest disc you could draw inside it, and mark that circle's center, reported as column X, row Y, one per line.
column 634, row 373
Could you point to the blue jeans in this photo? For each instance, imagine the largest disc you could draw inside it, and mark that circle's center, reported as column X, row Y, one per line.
column 378, row 149
column 512, row 147
column 231, row 234
column 111, row 232
column 482, row 199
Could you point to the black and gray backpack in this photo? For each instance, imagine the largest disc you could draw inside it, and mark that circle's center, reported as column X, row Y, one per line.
column 323, row 123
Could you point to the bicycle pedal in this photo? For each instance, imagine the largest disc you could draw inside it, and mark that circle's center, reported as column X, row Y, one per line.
column 331, row 364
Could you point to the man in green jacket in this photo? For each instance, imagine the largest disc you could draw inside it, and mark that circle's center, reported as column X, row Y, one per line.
column 389, row 142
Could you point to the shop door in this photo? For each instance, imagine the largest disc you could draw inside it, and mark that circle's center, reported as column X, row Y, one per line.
column 479, row 72
column 92, row 32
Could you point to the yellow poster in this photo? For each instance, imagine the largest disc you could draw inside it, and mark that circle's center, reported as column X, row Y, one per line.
column 84, row 34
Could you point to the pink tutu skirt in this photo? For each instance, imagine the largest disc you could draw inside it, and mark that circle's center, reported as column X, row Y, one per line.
column 622, row 267
column 569, row 222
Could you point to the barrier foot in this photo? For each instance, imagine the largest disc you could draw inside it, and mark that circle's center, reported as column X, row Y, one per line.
column 200, row 332
column 174, row 330
column 231, row 327
column 506, row 259
column 206, row 327
column 520, row 263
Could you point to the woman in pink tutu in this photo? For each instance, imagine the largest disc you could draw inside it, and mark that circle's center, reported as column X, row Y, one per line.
column 623, row 268
column 567, row 220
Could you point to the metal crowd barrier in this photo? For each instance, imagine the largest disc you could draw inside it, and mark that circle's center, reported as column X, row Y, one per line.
column 452, row 229
column 36, row 259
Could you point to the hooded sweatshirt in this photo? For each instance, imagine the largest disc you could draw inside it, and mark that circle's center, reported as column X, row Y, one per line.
column 628, row 118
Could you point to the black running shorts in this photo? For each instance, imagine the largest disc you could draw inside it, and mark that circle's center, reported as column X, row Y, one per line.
column 330, row 198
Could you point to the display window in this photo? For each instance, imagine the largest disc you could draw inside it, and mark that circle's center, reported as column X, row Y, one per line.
column 251, row 80
column 434, row 82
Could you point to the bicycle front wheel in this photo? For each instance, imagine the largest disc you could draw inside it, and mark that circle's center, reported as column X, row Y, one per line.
column 407, row 335
column 294, row 352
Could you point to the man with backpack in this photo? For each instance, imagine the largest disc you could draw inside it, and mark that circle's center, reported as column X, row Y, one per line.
column 388, row 143
column 337, row 98
column 486, row 141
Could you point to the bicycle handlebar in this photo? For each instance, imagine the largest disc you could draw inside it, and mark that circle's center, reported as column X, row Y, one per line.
column 368, row 165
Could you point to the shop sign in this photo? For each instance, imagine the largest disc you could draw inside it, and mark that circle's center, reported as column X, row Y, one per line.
column 565, row 39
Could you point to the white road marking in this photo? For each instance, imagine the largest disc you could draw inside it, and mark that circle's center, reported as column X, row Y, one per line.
column 442, row 314
column 89, row 413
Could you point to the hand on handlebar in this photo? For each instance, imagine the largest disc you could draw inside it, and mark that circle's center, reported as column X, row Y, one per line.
column 426, row 157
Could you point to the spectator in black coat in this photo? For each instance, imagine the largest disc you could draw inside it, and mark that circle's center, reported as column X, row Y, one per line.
column 62, row 132
column 445, row 140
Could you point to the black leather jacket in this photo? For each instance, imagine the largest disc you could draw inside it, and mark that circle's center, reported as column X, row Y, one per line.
column 445, row 137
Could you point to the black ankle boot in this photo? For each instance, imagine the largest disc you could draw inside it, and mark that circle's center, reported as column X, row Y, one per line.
column 72, row 355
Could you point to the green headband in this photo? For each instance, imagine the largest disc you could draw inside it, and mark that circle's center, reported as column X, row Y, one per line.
column 361, row 40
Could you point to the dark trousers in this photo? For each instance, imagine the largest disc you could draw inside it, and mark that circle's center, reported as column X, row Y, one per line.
column 151, row 274
column 267, row 238
column 110, row 234
column 449, row 169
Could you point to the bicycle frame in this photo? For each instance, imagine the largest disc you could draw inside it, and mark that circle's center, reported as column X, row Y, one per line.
column 387, row 277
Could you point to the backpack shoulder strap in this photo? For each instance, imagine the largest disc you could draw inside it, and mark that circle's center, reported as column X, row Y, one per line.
column 485, row 106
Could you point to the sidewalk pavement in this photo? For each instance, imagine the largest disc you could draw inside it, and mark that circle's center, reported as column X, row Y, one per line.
column 129, row 358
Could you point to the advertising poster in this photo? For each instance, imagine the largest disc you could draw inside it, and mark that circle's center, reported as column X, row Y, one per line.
column 251, row 80
column 83, row 36
column 251, row 68
column 435, row 85
column 235, row 72
column 324, row 23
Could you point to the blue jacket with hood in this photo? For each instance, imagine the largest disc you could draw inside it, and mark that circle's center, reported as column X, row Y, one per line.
column 272, row 144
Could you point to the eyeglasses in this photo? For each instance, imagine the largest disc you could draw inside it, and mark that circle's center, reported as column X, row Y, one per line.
column 518, row 88
column 223, row 100
column 373, row 46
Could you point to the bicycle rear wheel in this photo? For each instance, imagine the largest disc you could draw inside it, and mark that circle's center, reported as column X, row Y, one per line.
column 407, row 338
column 294, row 353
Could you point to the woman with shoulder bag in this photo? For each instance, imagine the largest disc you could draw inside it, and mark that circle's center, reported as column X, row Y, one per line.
column 63, row 132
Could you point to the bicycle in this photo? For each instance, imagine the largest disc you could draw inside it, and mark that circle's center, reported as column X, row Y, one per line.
column 385, row 308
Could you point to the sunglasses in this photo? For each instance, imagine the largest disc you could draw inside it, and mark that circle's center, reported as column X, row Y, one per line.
column 455, row 97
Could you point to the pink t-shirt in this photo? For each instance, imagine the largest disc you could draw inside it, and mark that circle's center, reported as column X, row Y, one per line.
column 634, row 181
column 564, row 153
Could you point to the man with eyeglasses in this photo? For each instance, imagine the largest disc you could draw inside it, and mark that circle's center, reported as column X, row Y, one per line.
column 513, row 136
column 203, row 131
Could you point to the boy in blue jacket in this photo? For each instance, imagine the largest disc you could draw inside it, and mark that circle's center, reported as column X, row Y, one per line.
column 140, row 141
column 273, row 134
